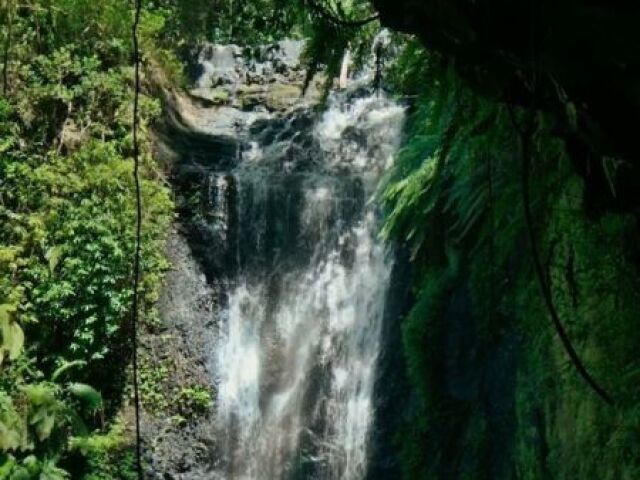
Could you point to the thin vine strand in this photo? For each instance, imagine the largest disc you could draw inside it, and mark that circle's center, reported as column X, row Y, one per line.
column 136, row 260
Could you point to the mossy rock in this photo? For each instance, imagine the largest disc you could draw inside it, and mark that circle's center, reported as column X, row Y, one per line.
column 211, row 96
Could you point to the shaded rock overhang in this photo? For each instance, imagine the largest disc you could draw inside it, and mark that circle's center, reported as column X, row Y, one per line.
column 585, row 54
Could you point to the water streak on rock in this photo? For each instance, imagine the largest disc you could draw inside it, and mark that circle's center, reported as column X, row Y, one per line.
column 287, row 232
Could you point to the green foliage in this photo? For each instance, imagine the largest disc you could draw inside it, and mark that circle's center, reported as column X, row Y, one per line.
column 229, row 21
column 419, row 328
column 153, row 376
column 454, row 199
column 414, row 71
column 67, row 226
column 12, row 431
column 109, row 455
column 194, row 400
column 31, row 467
column 45, row 409
column 593, row 273
column 87, row 395
column 164, row 396
column 11, row 334
column 39, row 419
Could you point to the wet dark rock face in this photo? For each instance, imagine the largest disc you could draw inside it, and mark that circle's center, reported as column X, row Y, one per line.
column 178, row 351
column 393, row 395
column 260, row 226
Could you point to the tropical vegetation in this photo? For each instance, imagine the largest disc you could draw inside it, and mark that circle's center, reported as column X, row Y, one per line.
column 484, row 197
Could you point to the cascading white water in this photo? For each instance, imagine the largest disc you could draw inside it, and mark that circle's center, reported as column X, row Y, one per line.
column 279, row 214
column 297, row 350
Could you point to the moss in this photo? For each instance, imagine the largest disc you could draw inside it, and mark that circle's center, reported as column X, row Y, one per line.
column 595, row 284
column 108, row 456
column 520, row 410
column 168, row 389
column 194, row 400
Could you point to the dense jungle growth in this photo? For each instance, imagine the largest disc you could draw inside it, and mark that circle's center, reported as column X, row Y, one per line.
column 514, row 195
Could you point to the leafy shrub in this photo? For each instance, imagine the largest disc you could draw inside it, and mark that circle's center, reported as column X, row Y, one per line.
column 67, row 229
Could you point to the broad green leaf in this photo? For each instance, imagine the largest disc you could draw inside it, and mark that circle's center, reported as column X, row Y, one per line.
column 16, row 342
column 66, row 366
column 45, row 426
column 12, row 335
column 86, row 394
column 54, row 255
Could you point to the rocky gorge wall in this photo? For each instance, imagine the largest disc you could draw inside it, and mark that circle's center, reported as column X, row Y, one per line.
column 254, row 196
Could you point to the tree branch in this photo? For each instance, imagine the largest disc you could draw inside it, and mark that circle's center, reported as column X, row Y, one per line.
column 336, row 20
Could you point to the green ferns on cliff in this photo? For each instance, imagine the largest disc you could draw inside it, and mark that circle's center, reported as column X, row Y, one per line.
column 495, row 395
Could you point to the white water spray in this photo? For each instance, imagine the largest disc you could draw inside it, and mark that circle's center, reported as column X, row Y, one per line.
column 303, row 295
column 296, row 369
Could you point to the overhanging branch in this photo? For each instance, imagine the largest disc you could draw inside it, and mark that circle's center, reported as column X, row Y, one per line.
column 335, row 19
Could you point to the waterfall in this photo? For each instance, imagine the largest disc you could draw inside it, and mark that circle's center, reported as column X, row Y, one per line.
column 290, row 230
